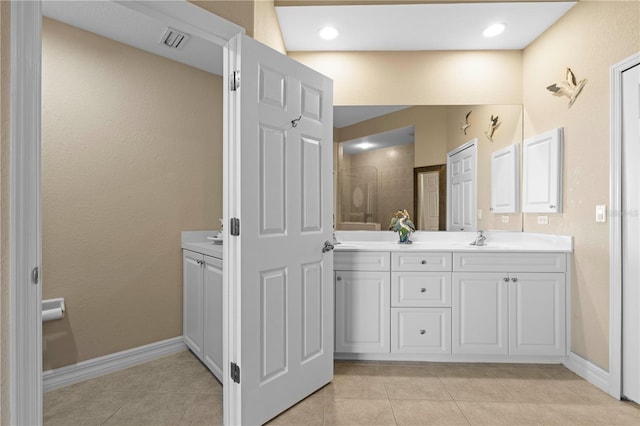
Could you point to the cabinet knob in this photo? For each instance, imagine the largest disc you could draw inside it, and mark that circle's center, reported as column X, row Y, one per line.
column 551, row 206
column 515, row 280
column 423, row 290
column 423, row 331
column 506, row 280
column 424, row 262
column 338, row 278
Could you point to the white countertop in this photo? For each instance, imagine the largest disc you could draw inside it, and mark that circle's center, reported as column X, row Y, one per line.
column 197, row 241
column 497, row 241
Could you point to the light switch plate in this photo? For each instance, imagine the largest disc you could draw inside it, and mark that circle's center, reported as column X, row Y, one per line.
column 601, row 213
column 543, row 220
column 479, row 214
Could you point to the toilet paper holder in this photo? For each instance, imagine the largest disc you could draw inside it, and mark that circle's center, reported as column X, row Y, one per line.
column 53, row 309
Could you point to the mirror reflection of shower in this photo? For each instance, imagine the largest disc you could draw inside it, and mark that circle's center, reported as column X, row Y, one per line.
column 375, row 179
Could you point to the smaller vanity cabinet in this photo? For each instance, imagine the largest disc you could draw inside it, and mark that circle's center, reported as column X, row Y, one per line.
column 362, row 291
column 421, row 302
column 202, row 308
column 509, row 303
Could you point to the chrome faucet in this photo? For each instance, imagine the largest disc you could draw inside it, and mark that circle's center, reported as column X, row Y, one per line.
column 480, row 239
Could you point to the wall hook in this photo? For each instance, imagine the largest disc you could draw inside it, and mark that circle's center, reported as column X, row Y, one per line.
column 294, row 122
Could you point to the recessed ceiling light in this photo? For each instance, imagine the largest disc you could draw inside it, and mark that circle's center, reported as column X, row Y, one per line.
column 493, row 30
column 365, row 145
column 328, row 33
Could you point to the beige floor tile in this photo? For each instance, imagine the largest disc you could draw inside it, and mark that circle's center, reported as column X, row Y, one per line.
column 356, row 370
column 556, row 392
column 403, row 371
column 421, row 412
column 205, row 409
column 529, row 373
column 567, row 414
column 356, row 387
column 560, row 372
column 153, row 409
column 416, row 388
column 89, row 407
column 307, row 412
column 464, row 371
column 54, row 398
column 477, row 389
column 499, row 413
column 353, row 411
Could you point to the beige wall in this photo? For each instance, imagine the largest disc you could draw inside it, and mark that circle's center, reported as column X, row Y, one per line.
column 590, row 38
column 4, row 213
column 420, row 78
column 267, row 27
column 131, row 156
column 240, row 12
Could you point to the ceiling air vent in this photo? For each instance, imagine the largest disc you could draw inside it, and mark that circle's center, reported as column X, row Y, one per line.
column 174, row 38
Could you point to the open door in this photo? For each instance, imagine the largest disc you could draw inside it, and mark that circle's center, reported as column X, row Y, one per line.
column 280, row 270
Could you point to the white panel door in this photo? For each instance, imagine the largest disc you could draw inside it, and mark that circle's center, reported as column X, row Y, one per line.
column 631, row 234
column 505, row 180
column 212, row 298
column 283, row 318
column 363, row 311
column 542, row 173
column 429, row 187
column 480, row 309
column 537, row 314
column 192, row 301
column 462, row 188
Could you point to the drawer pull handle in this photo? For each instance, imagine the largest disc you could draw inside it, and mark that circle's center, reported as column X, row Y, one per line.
column 506, row 280
column 551, row 206
column 423, row 290
column 423, row 331
column 515, row 280
column 424, row 262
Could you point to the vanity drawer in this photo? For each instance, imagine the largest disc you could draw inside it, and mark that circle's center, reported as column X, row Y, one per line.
column 421, row 289
column 510, row 262
column 361, row 261
column 421, row 330
column 421, row 261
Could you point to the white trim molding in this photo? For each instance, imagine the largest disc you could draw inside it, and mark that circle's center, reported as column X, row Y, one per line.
column 92, row 368
column 615, row 228
column 588, row 371
column 25, row 359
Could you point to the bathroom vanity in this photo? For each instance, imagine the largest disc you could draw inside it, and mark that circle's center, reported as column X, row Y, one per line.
column 441, row 299
column 202, row 298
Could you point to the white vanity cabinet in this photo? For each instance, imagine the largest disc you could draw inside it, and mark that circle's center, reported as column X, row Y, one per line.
column 202, row 308
column 362, row 291
column 518, row 309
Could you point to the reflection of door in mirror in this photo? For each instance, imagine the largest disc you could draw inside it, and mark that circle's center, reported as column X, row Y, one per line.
column 430, row 198
column 462, row 187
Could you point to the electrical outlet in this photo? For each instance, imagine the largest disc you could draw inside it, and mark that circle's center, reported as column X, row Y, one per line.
column 543, row 220
column 601, row 213
column 505, row 219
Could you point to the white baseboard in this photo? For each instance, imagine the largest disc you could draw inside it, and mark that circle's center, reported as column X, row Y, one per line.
column 85, row 370
column 588, row 371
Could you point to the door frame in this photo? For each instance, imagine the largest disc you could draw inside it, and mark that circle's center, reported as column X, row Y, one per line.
column 615, row 226
column 24, row 251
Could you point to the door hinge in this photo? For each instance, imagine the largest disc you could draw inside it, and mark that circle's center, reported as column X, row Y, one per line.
column 235, row 226
column 235, row 372
column 235, row 81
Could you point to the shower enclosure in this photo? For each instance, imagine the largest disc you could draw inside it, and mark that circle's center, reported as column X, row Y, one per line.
column 358, row 199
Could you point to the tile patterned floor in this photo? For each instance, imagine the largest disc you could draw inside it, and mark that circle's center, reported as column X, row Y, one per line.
column 178, row 390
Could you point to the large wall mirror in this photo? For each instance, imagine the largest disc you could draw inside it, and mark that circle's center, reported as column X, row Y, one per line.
column 393, row 157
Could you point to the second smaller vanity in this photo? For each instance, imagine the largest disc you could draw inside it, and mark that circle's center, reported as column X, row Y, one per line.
column 441, row 299
column 202, row 298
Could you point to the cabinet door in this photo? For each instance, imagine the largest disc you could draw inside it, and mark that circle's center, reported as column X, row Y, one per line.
column 213, row 315
column 192, row 314
column 537, row 314
column 542, row 173
column 505, row 180
column 480, row 313
column 363, row 311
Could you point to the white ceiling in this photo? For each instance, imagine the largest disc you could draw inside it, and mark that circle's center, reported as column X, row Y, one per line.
column 348, row 115
column 394, row 137
column 417, row 26
column 111, row 20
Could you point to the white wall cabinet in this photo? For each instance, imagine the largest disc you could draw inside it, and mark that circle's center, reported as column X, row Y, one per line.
column 505, row 180
column 202, row 308
column 542, row 173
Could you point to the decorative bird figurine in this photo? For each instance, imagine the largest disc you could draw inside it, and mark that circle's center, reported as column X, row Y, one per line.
column 401, row 223
column 464, row 126
column 493, row 125
column 570, row 88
